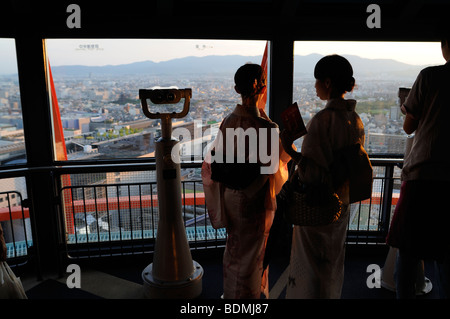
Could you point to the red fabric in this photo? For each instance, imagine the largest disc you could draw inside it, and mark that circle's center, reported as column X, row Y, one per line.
column 60, row 144
column 60, row 150
column 262, row 101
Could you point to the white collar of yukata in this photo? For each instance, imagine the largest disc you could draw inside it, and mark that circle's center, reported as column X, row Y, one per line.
column 342, row 104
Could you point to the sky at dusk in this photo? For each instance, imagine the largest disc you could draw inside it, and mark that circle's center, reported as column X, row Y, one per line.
column 123, row 51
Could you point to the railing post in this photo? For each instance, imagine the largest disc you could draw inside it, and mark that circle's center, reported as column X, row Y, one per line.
column 387, row 199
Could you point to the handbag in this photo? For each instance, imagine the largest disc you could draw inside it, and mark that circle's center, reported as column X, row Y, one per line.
column 309, row 205
column 10, row 286
column 302, row 211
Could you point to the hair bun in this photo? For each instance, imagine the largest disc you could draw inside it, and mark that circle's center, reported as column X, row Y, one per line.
column 338, row 69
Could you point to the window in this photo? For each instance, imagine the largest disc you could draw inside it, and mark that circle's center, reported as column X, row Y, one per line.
column 97, row 83
column 12, row 143
column 380, row 69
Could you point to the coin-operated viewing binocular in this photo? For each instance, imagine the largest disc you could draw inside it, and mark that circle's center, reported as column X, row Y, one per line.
column 173, row 273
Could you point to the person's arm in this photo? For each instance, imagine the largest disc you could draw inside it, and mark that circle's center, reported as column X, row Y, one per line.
column 286, row 142
column 410, row 124
column 414, row 104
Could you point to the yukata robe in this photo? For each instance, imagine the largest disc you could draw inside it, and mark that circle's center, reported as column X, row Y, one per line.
column 246, row 213
column 317, row 252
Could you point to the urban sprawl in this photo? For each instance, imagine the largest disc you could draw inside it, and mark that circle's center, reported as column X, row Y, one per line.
column 102, row 116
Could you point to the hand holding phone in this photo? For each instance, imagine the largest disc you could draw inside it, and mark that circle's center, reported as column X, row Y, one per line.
column 403, row 94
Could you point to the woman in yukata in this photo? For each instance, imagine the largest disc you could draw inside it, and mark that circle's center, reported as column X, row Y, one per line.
column 317, row 252
column 246, row 205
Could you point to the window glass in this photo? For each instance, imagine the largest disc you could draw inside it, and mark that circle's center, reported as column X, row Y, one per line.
column 12, row 143
column 380, row 69
column 97, row 84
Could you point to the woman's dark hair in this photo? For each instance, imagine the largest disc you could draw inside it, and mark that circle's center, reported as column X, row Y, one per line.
column 245, row 78
column 444, row 36
column 338, row 70
column 442, row 31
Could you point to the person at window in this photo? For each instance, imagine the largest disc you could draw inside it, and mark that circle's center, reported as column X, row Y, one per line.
column 419, row 227
column 247, row 195
column 317, row 254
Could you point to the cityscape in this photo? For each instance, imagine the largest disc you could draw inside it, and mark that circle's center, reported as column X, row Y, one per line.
column 102, row 118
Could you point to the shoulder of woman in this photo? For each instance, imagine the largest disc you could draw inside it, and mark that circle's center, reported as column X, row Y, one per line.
column 322, row 115
column 267, row 123
column 229, row 118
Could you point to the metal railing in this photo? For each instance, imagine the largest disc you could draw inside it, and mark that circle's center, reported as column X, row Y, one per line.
column 15, row 221
column 370, row 219
column 122, row 218
column 102, row 216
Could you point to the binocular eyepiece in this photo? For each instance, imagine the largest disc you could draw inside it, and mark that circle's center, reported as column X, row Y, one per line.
column 171, row 95
column 164, row 95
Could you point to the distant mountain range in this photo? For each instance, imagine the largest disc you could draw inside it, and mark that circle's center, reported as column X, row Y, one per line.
column 187, row 65
column 229, row 64
column 362, row 67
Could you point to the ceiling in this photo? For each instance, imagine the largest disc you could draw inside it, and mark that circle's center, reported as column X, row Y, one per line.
column 239, row 19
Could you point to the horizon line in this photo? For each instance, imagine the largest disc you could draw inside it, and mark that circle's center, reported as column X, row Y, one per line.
column 238, row 55
column 227, row 55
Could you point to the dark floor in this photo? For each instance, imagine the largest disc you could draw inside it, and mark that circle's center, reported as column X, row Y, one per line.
column 122, row 279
